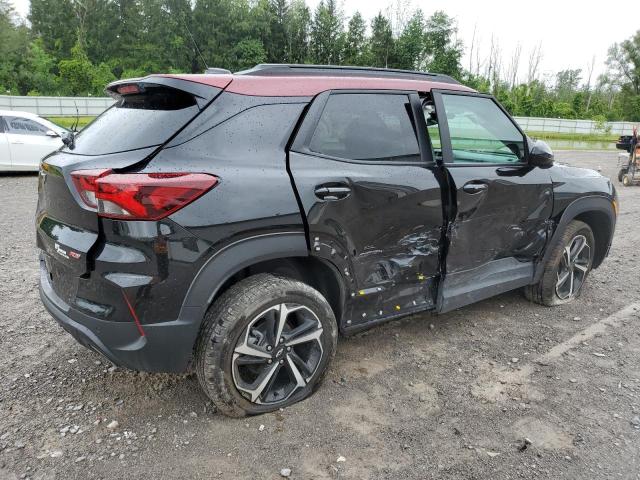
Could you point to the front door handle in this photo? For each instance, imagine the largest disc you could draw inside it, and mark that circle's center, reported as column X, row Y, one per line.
column 474, row 187
column 332, row 191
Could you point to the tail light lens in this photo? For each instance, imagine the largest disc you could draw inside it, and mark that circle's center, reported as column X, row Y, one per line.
column 140, row 196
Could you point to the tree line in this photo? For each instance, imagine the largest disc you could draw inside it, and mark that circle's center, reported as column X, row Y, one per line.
column 76, row 47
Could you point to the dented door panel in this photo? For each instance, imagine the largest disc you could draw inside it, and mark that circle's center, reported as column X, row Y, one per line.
column 384, row 235
column 508, row 219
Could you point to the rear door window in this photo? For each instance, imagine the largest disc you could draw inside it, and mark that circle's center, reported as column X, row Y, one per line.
column 138, row 120
column 25, row 126
column 368, row 127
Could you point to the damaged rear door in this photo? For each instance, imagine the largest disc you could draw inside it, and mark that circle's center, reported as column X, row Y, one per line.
column 500, row 204
column 372, row 200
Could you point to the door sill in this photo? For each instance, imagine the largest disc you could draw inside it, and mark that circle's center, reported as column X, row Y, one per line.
column 470, row 286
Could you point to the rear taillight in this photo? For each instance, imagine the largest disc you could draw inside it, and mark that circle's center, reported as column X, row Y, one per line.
column 140, row 196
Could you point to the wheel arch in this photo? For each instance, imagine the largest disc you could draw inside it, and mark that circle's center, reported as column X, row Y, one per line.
column 283, row 254
column 595, row 211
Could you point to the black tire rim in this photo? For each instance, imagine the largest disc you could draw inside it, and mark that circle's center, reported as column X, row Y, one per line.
column 277, row 353
column 573, row 267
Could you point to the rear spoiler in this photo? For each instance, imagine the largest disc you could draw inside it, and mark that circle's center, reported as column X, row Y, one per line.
column 202, row 93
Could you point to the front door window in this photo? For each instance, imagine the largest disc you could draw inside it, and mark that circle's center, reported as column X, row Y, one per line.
column 480, row 132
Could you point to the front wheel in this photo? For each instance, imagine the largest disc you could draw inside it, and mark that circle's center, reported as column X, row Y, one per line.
column 567, row 269
column 266, row 344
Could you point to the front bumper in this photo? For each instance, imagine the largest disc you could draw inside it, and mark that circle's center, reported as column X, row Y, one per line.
column 164, row 347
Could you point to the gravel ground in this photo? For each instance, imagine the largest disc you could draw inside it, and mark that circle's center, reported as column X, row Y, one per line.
column 501, row 389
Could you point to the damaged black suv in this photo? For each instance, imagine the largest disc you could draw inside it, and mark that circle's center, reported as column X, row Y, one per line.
column 237, row 223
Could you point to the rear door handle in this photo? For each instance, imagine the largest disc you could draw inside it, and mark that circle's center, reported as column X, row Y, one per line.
column 332, row 191
column 474, row 187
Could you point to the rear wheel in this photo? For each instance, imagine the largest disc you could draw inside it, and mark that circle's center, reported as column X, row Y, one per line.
column 626, row 180
column 266, row 344
column 567, row 268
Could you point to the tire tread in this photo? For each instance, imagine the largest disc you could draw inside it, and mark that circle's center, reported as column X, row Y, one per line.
column 223, row 316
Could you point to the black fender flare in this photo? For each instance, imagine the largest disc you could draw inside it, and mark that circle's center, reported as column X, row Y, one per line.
column 223, row 264
column 232, row 258
column 594, row 203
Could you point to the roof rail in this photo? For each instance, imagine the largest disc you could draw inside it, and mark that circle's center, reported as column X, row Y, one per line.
column 284, row 69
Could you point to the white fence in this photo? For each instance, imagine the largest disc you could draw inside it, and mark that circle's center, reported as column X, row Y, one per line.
column 559, row 125
column 91, row 106
column 56, row 106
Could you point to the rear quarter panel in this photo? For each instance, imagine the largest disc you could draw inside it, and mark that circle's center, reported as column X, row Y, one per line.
column 243, row 142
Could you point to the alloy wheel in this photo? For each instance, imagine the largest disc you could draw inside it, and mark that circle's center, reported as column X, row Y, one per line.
column 277, row 353
column 573, row 268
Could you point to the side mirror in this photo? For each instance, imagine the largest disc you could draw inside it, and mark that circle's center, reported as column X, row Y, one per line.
column 540, row 154
column 51, row 133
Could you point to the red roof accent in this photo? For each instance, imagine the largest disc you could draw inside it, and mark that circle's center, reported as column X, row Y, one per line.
column 307, row 86
column 219, row 81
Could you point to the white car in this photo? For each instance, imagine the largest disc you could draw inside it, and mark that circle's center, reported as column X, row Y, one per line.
column 25, row 139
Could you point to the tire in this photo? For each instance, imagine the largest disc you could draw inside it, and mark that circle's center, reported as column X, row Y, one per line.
column 231, row 352
column 626, row 180
column 621, row 173
column 548, row 291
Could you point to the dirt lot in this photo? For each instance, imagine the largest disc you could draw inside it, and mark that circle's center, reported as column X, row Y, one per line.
column 453, row 396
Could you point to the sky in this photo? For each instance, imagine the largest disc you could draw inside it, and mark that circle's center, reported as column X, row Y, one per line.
column 571, row 33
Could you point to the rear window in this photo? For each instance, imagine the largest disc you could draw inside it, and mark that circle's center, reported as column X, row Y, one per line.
column 140, row 120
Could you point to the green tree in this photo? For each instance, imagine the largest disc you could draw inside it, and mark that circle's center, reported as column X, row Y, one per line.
column 355, row 46
column 443, row 50
column 411, row 44
column 624, row 61
column 38, row 74
column 382, row 42
column 247, row 54
column 567, row 82
column 326, row 33
column 276, row 45
column 13, row 49
column 298, row 25
column 79, row 76
column 56, row 24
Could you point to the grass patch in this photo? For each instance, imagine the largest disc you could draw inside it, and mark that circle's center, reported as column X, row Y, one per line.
column 582, row 137
column 68, row 122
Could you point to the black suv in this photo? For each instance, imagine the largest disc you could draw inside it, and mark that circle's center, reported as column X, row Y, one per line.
column 236, row 224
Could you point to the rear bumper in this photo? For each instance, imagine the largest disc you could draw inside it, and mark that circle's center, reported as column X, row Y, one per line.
column 165, row 347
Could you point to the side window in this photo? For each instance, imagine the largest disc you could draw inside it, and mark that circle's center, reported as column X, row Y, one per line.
column 365, row 126
column 480, row 131
column 24, row 126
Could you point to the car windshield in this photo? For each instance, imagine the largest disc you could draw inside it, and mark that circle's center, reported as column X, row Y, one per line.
column 53, row 126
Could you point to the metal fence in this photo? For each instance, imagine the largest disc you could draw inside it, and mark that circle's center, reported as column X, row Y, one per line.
column 91, row 106
column 56, row 106
column 580, row 127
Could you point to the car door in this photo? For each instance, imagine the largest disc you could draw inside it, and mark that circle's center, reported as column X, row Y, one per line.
column 501, row 204
column 372, row 200
column 29, row 142
column 5, row 152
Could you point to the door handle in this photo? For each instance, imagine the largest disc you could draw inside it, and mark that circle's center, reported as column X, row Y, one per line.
column 17, row 143
column 472, row 188
column 332, row 191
